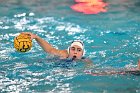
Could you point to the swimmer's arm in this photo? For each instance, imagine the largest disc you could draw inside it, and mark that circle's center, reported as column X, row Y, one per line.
column 106, row 73
column 46, row 46
column 123, row 72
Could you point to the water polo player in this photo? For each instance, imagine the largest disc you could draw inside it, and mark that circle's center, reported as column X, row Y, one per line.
column 75, row 51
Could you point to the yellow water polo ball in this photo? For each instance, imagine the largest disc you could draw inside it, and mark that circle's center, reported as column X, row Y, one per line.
column 22, row 43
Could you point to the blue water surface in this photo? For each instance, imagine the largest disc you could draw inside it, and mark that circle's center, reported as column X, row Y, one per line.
column 112, row 41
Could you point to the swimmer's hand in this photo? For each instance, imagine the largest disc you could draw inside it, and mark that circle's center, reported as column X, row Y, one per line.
column 32, row 36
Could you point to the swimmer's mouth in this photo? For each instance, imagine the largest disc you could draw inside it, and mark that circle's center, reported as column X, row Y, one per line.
column 74, row 57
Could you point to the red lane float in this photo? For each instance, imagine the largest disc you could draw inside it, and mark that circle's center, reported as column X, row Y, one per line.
column 90, row 6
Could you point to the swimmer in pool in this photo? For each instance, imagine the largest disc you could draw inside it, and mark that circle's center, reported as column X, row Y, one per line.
column 75, row 51
column 133, row 71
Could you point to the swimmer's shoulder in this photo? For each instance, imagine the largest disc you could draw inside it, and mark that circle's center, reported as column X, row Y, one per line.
column 62, row 53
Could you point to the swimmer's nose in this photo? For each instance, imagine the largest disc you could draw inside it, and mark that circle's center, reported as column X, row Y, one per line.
column 75, row 52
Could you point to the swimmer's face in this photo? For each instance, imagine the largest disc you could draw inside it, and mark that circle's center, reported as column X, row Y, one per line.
column 75, row 52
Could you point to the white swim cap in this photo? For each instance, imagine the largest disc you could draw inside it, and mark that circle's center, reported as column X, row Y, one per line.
column 78, row 43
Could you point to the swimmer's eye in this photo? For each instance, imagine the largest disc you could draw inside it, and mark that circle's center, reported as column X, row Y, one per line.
column 73, row 48
column 79, row 50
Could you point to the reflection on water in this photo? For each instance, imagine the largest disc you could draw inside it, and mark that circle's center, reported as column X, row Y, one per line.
column 36, row 6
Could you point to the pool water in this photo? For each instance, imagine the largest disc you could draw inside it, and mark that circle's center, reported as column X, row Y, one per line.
column 112, row 41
